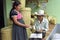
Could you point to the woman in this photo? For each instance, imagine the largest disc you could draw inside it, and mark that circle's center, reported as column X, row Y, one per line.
column 19, row 27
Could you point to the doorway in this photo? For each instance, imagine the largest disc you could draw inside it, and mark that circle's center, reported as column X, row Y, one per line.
column 1, row 14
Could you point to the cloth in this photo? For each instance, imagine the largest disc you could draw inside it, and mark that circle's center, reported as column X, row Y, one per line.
column 19, row 16
column 37, row 35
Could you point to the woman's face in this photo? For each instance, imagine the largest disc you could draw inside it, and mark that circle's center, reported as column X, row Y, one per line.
column 18, row 7
column 40, row 17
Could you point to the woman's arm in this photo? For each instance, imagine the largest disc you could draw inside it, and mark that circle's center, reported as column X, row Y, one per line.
column 18, row 23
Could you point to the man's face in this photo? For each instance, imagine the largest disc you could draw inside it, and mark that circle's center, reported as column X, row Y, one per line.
column 40, row 17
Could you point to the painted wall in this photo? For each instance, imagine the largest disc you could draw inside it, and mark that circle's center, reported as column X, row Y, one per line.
column 7, row 7
column 53, row 9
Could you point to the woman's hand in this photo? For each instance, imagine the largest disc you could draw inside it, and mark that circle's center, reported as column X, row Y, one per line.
column 27, row 26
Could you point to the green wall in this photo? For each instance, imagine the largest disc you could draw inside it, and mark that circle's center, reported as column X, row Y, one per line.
column 7, row 4
column 53, row 9
column 8, row 7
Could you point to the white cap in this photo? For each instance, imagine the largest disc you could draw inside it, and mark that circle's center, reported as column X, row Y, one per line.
column 40, row 12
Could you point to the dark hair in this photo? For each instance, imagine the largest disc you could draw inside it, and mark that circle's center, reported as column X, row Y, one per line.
column 16, row 3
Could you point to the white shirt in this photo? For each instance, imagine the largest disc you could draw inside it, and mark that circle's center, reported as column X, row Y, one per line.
column 43, row 25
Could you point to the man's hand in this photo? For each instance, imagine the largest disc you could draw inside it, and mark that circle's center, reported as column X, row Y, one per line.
column 40, row 30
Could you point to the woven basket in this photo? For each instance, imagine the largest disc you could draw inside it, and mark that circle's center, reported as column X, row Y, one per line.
column 6, row 33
